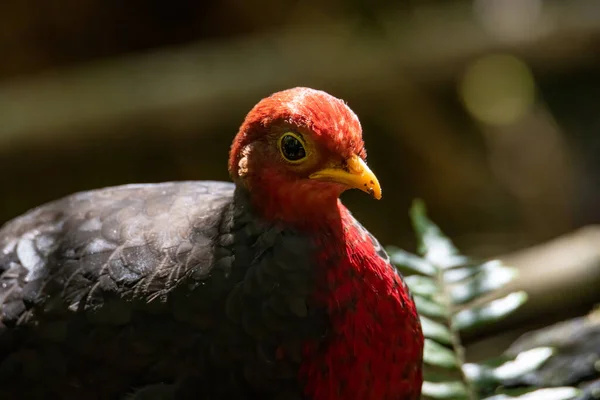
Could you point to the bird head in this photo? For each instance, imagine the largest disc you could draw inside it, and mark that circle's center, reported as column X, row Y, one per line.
column 300, row 148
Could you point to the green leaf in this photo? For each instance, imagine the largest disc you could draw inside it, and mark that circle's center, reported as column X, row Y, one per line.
column 436, row 247
column 468, row 270
column 559, row 393
column 489, row 277
column 524, row 363
column 438, row 355
column 410, row 263
column 430, row 308
column 432, row 374
column 481, row 375
column 489, row 375
column 445, row 390
column 443, row 278
column 436, row 331
column 421, row 286
column 461, row 273
column 491, row 312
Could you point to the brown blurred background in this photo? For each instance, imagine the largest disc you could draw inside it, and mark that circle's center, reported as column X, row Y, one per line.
column 486, row 109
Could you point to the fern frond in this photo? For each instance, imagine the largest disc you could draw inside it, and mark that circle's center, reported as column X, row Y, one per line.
column 448, row 288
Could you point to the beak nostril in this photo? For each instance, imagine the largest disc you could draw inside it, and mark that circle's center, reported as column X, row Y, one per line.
column 353, row 173
column 345, row 166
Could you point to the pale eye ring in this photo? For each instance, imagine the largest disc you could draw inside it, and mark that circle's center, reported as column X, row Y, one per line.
column 292, row 148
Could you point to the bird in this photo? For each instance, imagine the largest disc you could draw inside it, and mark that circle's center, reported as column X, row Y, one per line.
column 263, row 287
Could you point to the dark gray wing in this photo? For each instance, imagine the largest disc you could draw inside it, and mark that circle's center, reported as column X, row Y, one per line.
column 75, row 269
column 139, row 239
column 106, row 292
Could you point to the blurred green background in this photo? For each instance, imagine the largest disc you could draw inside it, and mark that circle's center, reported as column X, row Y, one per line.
column 486, row 109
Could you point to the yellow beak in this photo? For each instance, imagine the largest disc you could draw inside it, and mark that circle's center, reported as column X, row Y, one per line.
column 356, row 175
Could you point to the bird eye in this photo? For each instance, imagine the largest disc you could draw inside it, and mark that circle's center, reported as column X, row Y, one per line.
column 291, row 147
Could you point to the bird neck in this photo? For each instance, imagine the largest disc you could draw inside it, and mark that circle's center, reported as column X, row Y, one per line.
column 375, row 346
column 298, row 205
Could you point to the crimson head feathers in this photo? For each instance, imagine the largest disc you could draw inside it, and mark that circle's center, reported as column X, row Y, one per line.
column 300, row 147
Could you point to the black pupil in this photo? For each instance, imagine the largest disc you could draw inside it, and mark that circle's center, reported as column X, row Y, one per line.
column 292, row 148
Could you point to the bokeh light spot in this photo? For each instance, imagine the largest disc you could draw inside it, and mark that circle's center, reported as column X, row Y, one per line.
column 498, row 89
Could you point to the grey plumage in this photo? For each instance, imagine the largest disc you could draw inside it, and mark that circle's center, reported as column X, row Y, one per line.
column 176, row 285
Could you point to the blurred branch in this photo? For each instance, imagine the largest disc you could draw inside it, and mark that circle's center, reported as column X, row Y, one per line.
column 200, row 83
column 561, row 276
